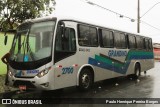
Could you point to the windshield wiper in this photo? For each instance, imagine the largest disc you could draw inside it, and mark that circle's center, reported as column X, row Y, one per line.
column 27, row 48
column 30, row 51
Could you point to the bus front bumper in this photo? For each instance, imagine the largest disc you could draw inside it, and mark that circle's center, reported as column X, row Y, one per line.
column 30, row 83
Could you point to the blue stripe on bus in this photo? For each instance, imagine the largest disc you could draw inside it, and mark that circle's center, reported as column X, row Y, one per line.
column 103, row 65
column 112, row 67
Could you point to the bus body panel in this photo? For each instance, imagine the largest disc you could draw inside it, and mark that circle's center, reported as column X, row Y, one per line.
column 65, row 72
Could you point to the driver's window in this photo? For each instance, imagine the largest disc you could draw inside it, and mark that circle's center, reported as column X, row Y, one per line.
column 67, row 41
column 65, row 44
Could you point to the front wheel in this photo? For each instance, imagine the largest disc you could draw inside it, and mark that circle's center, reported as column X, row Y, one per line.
column 85, row 80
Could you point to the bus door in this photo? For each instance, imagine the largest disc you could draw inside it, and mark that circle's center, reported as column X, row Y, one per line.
column 65, row 57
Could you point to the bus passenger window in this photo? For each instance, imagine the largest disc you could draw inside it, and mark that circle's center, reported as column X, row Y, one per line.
column 87, row 36
column 150, row 44
column 132, row 41
column 140, row 42
column 123, row 40
column 107, row 38
column 93, row 36
column 146, row 44
column 117, row 40
column 120, row 40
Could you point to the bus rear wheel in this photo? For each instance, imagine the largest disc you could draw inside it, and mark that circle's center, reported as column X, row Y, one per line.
column 85, row 80
column 137, row 71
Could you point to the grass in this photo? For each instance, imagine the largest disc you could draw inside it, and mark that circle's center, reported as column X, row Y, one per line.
column 3, row 50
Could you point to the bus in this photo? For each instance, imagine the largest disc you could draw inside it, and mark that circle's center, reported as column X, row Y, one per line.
column 56, row 52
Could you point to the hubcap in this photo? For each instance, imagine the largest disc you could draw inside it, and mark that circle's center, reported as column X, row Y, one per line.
column 85, row 80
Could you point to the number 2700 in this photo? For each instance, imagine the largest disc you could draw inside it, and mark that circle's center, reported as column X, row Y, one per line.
column 67, row 70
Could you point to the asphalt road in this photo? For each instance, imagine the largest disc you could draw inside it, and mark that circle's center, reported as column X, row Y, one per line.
column 147, row 86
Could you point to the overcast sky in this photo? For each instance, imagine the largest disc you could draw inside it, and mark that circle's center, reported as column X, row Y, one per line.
column 82, row 10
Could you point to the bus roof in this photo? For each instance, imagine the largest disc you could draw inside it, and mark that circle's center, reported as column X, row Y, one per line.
column 85, row 21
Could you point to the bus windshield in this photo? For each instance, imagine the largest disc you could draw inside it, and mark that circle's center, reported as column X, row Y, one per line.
column 32, row 42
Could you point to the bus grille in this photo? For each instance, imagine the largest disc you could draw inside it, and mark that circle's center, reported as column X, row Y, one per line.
column 28, row 84
column 23, row 76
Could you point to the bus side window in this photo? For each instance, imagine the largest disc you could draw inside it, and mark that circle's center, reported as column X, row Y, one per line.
column 72, row 40
column 117, row 40
column 68, row 41
column 65, row 45
column 123, row 40
column 140, row 42
column 87, row 36
column 120, row 40
column 150, row 44
column 107, row 38
column 146, row 44
column 132, row 41
column 58, row 41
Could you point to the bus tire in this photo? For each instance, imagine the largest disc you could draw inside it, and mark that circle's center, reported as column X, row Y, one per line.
column 137, row 71
column 85, row 80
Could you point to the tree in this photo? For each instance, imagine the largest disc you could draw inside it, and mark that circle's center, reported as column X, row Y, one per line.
column 13, row 12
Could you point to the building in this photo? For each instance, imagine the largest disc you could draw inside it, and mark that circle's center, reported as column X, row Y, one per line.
column 156, row 47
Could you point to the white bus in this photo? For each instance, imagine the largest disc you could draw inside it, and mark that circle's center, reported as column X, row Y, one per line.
column 53, row 53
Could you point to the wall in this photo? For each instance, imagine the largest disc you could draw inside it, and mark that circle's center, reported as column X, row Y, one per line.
column 3, row 50
column 157, row 54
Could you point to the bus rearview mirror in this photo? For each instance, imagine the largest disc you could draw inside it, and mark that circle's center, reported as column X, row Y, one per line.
column 62, row 28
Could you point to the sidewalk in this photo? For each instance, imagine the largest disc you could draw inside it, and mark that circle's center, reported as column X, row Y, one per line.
column 3, row 88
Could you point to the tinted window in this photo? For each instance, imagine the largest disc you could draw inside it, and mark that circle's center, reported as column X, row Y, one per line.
column 123, row 40
column 140, row 42
column 150, row 44
column 107, row 38
column 67, row 41
column 120, row 40
column 65, row 45
column 146, row 44
column 132, row 41
column 87, row 36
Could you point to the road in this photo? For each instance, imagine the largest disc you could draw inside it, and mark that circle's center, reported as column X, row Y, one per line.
column 147, row 86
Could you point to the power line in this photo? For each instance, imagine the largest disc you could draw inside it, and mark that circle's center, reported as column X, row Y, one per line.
column 121, row 15
column 149, row 9
column 150, row 25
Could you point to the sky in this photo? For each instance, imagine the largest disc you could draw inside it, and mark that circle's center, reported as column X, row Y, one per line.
column 82, row 10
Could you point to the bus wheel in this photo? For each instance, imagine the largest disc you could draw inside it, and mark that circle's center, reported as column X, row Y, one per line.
column 137, row 71
column 85, row 80
column 145, row 72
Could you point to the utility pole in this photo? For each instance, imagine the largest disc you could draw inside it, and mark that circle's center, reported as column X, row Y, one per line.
column 138, row 17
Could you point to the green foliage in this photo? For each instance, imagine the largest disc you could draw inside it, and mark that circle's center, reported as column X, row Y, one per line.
column 13, row 12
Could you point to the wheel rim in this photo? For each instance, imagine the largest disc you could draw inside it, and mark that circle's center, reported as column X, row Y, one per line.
column 85, row 80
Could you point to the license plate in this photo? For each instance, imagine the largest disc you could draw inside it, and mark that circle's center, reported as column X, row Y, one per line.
column 22, row 87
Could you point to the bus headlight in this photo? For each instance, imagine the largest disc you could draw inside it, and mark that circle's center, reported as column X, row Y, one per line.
column 43, row 72
column 10, row 73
